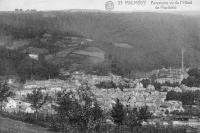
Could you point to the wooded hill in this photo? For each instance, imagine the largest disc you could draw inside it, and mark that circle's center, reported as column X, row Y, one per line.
column 148, row 40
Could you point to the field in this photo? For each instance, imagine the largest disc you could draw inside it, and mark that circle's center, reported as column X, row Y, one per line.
column 11, row 126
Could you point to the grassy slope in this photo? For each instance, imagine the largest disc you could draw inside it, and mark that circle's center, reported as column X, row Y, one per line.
column 11, row 126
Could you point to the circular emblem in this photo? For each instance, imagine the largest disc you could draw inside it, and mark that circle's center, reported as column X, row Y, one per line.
column 109, row 5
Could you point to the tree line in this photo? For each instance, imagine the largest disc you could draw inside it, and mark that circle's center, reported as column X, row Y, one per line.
column 193, row 80
column 187, row 98
column 13, row 62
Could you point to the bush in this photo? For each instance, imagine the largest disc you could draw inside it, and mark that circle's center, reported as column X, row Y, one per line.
column 157, row 86
column 193, row 80
column 117, row 113
column 132, row 119
column 145, row 82
column 187, row 98
column 30, row 68
column 83, row 115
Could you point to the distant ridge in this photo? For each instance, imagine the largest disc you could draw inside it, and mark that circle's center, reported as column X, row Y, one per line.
column 155, row 39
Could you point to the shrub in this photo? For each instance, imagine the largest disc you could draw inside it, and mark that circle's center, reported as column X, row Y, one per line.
column 193, row 80
column 117, row 113
column 83, row 115
column 145, row 82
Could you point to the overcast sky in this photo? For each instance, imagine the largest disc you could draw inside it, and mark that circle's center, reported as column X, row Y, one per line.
column 8, row 5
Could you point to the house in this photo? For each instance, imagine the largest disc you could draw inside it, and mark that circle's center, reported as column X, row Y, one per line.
column 185, row 88
column 34, row 56
column 94, row 79
column 162, row 111
column 89, row 40
column 23, row 106
column 167, row 89
column 51, row 83
column 29, row 110
column 10, row 105
column 10, row 79
column 36, row 53
column 20, row 94
column 55, row 89
column 150, row 88
column 171, row 106
column 78, row 75
column 82, row 43
column 115, row 78
column 139, row 86
column 72, row 39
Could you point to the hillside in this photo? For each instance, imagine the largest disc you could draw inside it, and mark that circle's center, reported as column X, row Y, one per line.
column 144, row 41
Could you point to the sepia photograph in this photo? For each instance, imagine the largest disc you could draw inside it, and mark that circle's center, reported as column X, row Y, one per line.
column 99, row 66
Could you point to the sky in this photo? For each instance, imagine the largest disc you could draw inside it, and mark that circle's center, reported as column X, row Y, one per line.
column 119, row 5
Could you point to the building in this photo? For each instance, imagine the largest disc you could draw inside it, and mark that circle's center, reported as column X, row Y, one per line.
column 171, row 106
column 185, row 88
column 36, row 53
column 34, row 56
column 167, row 89
column 10, row 105
column 170, row 75
column 175, row 106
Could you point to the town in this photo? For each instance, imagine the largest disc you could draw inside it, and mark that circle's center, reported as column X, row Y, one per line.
column 165, row 96
column 82, row 71
column 132, row 93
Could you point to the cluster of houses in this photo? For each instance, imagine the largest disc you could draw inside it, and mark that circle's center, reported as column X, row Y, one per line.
column 136, row 98
column 25, row 11
column 185, row 88
column 168, row 88
column 133, row 96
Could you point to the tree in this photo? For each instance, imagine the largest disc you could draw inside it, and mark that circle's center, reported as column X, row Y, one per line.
column 69, row 111
column 117, row 113
column 172, row 95
column 135, row 117
column 145, row 82
column 197, row 97
column 49, row 70
column 83, row 113
column 193, row 80
column 25, row 69
column 37, row 100
column 157, row 86
column 144, row 114
column 29, row 68
column 188, row 98
column 100, row 69
column 131, row 118
column 93, row 116
column 4, row 93
column 116, row 67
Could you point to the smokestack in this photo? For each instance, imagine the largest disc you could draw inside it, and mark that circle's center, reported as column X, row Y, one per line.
column 182, row 63
column 182, row 59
